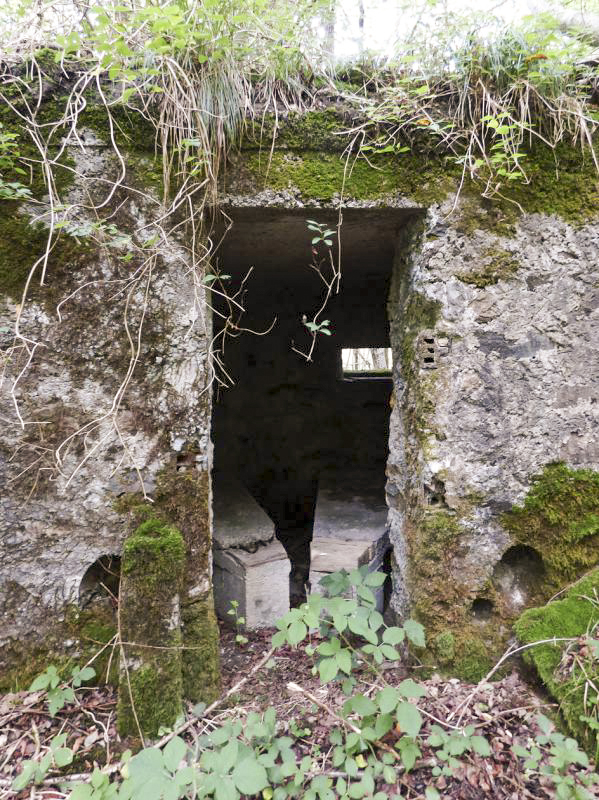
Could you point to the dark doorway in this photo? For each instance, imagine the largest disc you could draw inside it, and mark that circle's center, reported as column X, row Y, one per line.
column 301, row 435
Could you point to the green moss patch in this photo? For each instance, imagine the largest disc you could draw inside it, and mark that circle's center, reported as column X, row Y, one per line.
column 560, row 519
column 312, row 130
column 568, row 669
column 184, row 497
column 151, row 683
column 22, row 243
column 496, row 264
column 324, row 176
column 563, row 182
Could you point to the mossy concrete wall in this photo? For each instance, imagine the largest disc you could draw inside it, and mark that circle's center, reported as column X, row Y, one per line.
column 151, row 680
column 119, row 376
column 493, row 313
column 500, row 295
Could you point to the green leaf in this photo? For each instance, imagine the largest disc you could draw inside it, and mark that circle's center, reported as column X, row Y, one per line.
column 296, row 632
column 375, row 579
column 220, row 735
column 174, row 753
column 410, row 688
column 25, row 777
column 362, row 705
column 328, row 669
column 389, row 775
column 393, row 636
column 387, row 699
column 431, row 793
column 41, row 682
column 330, row 647
column 415, row 632
column 82, row 791
column 409, row 751
column 224, row 789
column 389, row 652
column 409, row 719
column 250, row 777
column 366, row 594
column 480, row 745
column 343, row 659
column 360, row 627
column 383, row 724
column 63, row 756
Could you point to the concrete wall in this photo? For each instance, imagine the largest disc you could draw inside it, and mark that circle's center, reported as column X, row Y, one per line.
column 492, row 315
column 116, row 392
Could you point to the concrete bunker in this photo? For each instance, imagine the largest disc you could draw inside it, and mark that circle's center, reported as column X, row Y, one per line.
column 300, row 445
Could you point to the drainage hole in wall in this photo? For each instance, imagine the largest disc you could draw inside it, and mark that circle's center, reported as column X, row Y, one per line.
column 100, row 583
column 482, row 609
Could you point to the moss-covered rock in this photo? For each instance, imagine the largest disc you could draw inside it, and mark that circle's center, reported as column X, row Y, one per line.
column 560, row 519
column 569, row 670
column 151, row 684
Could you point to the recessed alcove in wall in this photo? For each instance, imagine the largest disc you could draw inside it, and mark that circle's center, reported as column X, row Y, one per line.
column 518, row 576
column 482, row 609
column 100, row 582
column 296, row 434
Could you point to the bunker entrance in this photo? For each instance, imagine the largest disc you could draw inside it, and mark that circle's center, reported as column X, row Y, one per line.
column 300, row 444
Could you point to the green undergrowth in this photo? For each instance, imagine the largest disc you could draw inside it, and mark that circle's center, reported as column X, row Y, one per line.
column 560, row 519
column 570, row 671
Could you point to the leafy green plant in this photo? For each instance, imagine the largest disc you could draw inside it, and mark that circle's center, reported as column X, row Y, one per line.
column 564, row 754
column 239, row 621
column 9, row 156
column 58, row 691
column 378, row 733
column 33, row 771
column 323, row 233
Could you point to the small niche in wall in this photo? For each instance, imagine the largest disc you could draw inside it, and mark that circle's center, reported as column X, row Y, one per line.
column 482, row 609
column 366, row 362
column 519, row 575
column 100, row 583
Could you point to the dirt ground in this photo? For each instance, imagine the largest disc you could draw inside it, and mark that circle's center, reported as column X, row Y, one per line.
column 503, row 711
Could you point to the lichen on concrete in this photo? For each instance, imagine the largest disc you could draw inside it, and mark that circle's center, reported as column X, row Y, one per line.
column 496, row 263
